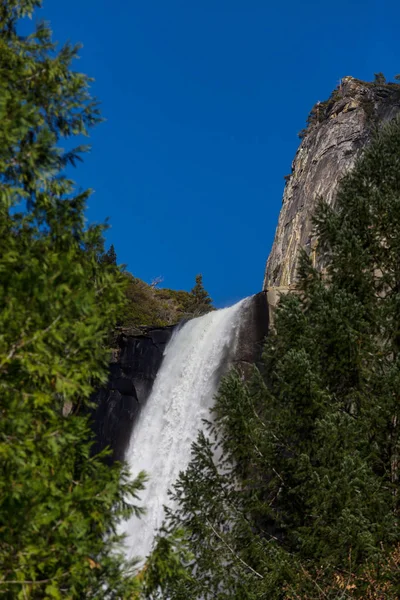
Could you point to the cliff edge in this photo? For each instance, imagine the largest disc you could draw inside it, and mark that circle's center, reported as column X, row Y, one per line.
column 338, row 129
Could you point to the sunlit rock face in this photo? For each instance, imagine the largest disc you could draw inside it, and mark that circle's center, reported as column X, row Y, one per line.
column 340, row 128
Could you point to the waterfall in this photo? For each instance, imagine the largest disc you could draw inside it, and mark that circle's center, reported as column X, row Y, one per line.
column 182, row 395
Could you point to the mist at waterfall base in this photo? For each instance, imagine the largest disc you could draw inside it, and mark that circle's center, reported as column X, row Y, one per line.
column 183, row 393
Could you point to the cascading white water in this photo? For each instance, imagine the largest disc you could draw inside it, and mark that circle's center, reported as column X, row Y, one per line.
column 181, row 398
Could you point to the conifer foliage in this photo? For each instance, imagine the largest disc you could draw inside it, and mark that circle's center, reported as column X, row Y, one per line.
column 201, row 303
column 59, row 505
column 303, row 500
column 109, row 257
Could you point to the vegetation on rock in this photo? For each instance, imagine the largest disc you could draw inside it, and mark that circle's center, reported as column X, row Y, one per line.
column 379, row 78
column 294, row 492
column 148, row 305
column 321, row 111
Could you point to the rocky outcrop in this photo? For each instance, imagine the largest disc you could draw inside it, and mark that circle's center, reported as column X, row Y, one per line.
column 338, row 130
column 252, row 334
column 136, row 359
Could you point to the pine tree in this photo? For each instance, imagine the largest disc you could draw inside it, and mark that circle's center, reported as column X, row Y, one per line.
column 379, row 78
column 294, row 493
column 109, row 257
column 59, row 505
column 201, row 302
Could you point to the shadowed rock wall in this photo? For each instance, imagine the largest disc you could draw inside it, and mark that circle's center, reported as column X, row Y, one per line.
column 253, row 331
column 137, row 358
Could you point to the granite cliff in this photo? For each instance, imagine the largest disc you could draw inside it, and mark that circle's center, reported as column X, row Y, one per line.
column 338, row 129
column 137, row 356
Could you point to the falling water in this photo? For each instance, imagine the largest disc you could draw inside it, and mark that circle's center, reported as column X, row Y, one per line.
column 181, row 398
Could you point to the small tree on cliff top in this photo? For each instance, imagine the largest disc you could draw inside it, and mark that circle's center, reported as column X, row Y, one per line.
column 59, row 506
column 109, row 257
column 379, row 78
column 201, row 302
column 304, row 501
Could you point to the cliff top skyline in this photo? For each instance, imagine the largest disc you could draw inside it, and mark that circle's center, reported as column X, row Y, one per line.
column 203, row 104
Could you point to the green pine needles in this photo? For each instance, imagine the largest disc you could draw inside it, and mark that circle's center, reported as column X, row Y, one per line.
column 303, row 499
column 59, row 505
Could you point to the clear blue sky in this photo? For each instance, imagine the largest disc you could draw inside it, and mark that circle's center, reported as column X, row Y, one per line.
column 203, row 101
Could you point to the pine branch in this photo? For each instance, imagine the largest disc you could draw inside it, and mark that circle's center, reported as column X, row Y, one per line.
column 233, row 552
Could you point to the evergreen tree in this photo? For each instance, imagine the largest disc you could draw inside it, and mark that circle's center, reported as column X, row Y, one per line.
column 295, row 491
column 109, row 257
column 379, row 78
column 201, row 302
column 59, row 505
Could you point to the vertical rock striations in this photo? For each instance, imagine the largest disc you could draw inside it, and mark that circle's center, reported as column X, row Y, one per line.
column 337, row 130
column 137, row 357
